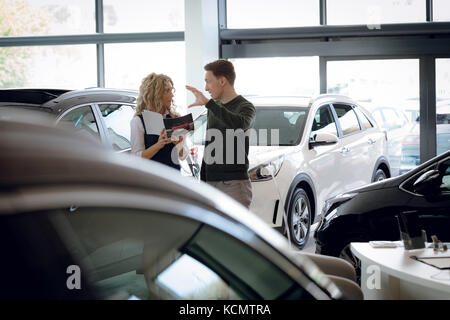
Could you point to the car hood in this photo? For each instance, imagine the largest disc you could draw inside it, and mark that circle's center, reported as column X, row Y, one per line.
column 384, row 184
column 263, row 154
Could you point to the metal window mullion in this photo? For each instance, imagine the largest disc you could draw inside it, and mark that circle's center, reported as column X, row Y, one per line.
column 353, row 48
column 100, row 45
column 91, row 39
column 323, row 74
column 323, row 12
column 222, row 11
column 429, row 9
column 327, row 31
column 222, row 19
column 101, row 65
column 427, row 108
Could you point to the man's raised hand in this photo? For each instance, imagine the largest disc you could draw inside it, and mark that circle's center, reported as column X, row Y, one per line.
column 200, row 99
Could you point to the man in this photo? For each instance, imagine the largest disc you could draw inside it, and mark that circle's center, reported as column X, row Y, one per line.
column 231, row 115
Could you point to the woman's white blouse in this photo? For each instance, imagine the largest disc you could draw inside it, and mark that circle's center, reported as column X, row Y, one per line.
column 137, row 136
column 138, row 141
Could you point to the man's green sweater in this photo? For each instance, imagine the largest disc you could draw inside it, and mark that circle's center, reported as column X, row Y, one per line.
column 239, row 113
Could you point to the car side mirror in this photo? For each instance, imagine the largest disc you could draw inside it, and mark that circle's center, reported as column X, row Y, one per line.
column 427, row 182
column 322, row 139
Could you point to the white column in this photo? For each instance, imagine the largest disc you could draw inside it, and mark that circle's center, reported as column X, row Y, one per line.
column 202, row 41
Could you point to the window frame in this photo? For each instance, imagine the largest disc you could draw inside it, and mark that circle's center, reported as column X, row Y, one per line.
column 361, row 123
column 338, row 122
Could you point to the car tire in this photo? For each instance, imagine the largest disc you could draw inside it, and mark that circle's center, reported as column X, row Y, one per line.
column 379, row 175
column 345, row 252
column 299, row 218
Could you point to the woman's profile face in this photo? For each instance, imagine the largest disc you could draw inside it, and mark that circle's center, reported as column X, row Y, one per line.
column 167, row 95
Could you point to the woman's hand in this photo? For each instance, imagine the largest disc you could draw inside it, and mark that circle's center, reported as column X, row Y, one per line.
column 179, row 144
column 163, row 140
column 180, row 139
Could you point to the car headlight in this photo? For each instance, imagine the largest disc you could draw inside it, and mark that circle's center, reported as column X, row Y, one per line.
column 266, row 171
column 332, row 203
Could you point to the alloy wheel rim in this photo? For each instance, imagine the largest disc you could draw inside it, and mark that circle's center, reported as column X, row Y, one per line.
column 300, row 219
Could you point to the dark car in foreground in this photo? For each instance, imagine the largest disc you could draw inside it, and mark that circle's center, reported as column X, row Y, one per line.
column 369, row 213
column 79, row 221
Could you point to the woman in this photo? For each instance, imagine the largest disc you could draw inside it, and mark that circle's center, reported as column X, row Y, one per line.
column 155, row 94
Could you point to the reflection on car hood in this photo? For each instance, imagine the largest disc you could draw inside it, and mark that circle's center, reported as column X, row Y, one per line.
column 384, row 184
column 263, row 154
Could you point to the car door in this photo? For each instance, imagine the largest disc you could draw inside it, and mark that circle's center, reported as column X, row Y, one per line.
column 375, row 143
column 353, row 153
column 324, row 162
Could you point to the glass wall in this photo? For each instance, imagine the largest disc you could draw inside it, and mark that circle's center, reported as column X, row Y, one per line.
column 75, row 66
column 143, row 15
column 57, row 67
column 46, row 17
column 389, row 90
column 272, row 14
column 126, row 64
column 441, row 10
column 292, row 76
column 373, row 12
column 442, row 105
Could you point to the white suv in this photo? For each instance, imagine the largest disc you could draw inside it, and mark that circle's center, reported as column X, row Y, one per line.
column 327, row 146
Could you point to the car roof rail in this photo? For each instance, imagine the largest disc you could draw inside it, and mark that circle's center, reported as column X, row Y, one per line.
column 32, row 96
column 290, row 99
column 95, row 90
column 331, row 95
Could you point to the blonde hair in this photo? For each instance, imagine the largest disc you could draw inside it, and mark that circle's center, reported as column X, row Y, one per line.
column 150, row 94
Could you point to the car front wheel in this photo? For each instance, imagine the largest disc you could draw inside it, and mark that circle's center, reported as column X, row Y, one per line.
column 346, row 253
column 299, row 218
column 379, row 175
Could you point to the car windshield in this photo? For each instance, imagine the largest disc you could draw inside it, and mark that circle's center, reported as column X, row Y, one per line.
column 273, row 126
column 279, row 126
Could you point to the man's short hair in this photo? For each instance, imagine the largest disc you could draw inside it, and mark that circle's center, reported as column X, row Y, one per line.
column 222, row 68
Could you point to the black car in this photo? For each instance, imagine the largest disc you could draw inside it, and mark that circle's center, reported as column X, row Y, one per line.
column 104, row 114
column 369, row 213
